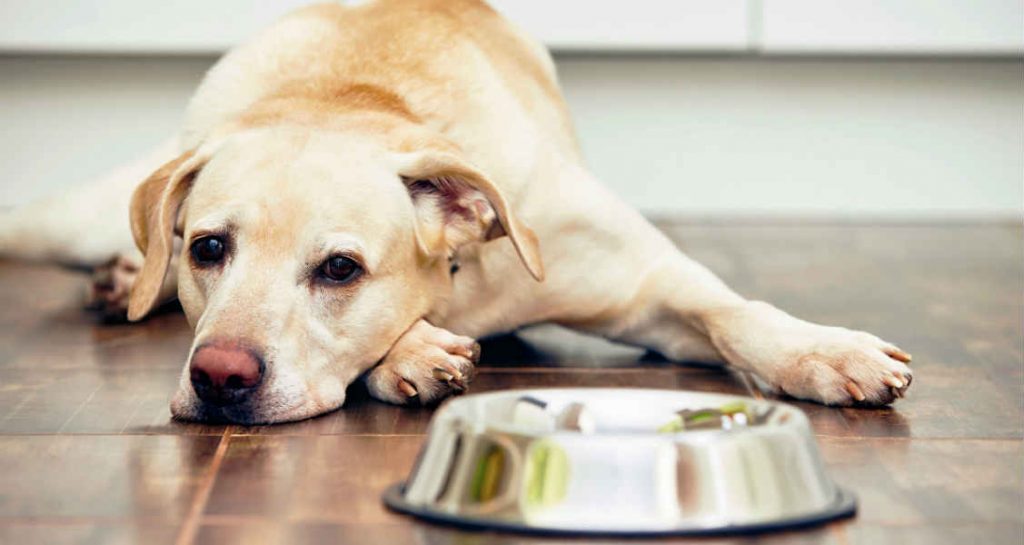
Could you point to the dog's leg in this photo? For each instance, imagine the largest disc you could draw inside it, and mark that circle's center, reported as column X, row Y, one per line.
column 628, row 282
column 680, row 303
column 425, row 365
column 111, row 283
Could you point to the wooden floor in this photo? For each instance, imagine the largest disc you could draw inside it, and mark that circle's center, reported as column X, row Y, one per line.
column 88, row 454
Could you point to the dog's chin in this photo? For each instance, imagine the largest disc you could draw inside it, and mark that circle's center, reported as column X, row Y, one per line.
column 187, row 408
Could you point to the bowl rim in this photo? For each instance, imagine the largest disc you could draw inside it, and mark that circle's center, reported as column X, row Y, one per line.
column 843, row 505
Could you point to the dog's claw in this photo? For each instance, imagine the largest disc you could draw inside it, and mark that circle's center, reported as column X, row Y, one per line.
column 855, row 391
column 893, row 381
column 441, row 374
column 899, row 355
column 407, row 389
column 454, row 380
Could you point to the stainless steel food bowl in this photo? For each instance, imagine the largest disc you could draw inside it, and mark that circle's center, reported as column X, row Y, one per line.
column 620, row 461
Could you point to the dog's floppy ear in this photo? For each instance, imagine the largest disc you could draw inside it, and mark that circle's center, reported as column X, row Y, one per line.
column 154, row 210
column 456, row 205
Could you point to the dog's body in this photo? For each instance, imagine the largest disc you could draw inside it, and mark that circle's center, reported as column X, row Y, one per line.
column 308, row 131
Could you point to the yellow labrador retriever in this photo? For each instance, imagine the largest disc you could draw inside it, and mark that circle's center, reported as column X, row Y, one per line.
column 362, row 191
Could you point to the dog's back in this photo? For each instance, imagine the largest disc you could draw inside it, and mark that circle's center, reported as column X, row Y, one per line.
column 454, row 65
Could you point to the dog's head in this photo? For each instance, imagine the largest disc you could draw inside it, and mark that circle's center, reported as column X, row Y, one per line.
column 304, row 256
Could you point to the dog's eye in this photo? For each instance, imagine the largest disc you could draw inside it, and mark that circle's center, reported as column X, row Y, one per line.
column 208, row 250
column 340, row 269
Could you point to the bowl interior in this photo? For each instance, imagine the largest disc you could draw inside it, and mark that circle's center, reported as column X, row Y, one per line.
column 617, row 412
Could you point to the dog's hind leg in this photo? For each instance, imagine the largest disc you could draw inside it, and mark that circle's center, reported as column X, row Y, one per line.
column 87, row 227
column 111, row 283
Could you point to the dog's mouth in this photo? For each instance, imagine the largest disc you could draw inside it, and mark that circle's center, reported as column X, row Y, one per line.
column 234, row 414
column 248, row 413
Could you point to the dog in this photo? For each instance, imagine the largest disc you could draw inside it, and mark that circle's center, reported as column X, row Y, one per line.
column 364, row 191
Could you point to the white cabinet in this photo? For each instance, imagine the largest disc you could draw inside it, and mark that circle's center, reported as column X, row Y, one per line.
column 903, row 27
column 636, row 25
column 776, row 27
column 133, row 26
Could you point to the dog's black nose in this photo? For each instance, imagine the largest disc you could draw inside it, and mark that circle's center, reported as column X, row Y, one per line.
column 225, row 374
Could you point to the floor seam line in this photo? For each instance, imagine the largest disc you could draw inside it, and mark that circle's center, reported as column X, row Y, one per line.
column 191, row 525
column 17, row 408
column 139, row 400
column 79, row 409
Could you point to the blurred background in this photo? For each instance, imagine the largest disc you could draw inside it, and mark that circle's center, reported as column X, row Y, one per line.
column 877, row 109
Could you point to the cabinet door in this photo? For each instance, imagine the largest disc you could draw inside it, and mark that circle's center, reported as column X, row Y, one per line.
column 133, row 26
column 641, row 25
column 954, row 27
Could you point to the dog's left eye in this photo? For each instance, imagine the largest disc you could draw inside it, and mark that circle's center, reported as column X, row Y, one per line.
column 340, row 269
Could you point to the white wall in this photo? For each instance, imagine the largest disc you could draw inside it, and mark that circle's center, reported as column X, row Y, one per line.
column 67, row 120
column 809, row 137
column 716, row 135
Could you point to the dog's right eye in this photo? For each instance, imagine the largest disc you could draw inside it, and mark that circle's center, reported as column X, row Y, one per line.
column 208, row 250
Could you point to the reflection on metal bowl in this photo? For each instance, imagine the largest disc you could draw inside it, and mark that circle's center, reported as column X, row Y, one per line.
column 620, row 461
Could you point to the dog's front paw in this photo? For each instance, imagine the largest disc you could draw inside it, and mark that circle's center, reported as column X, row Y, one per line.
column 843, row 367
column 427, row 364
column 830, row 365
column 110, row 286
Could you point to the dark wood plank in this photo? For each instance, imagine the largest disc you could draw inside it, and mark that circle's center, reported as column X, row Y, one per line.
column 936, row 534
column 89, row 532
column 324, row 478
column 297, row 533
column 100, row 476
column 129, row 399
column 935, row 481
